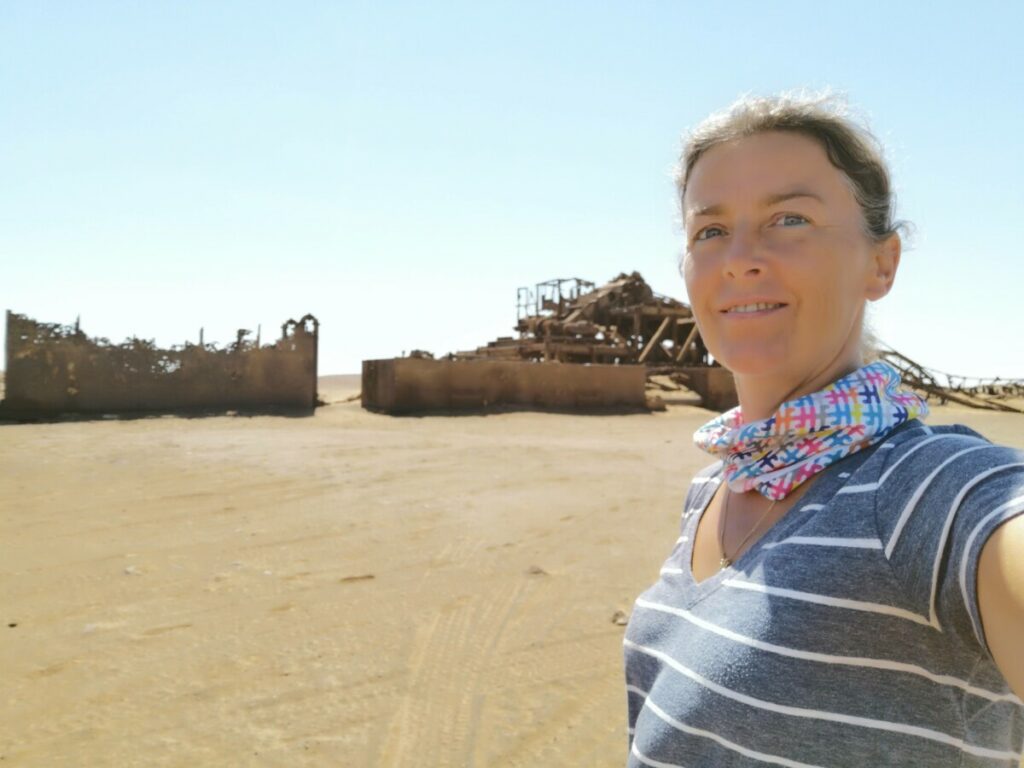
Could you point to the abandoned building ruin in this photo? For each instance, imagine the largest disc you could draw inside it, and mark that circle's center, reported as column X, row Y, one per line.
column 579, row 346
column 53, row 369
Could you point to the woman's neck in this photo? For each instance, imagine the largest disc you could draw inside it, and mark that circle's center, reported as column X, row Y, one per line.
column 761, row 396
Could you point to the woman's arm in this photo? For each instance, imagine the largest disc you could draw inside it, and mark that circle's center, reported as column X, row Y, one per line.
column 1001, row 599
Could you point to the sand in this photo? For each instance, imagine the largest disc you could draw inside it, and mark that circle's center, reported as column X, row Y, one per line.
column 348, row 589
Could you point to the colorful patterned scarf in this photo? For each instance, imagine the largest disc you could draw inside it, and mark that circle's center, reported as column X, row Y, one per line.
column 805, row 435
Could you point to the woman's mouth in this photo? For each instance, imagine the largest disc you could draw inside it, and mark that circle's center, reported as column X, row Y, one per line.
column 754, row 308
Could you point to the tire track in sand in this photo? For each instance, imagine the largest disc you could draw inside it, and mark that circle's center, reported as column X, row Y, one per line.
column 437, row 721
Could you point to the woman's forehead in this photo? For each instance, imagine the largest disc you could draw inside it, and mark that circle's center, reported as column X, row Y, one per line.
column 763, row 169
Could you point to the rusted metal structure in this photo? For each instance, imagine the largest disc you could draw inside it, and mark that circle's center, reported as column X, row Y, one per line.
column 579, row 347
column 571, row 320
column 53, row 369
column 624, row 321
column 419, row 384
column 987, row 394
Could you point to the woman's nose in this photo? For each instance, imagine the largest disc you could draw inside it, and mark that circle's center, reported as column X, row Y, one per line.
column 742, row 257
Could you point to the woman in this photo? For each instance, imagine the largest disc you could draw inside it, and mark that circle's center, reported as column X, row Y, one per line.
column 848, row 588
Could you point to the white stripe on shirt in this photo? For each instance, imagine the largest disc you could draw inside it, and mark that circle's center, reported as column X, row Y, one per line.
column 876, row 485
column 953, row 509
column 1015, row 505
column 834, row 602
column 919, row 492
column 650, row 761
column 825, row 658
column 828, row 541
column 730, row 745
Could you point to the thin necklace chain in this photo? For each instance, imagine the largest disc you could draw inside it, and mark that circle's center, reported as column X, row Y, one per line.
column 726, row 561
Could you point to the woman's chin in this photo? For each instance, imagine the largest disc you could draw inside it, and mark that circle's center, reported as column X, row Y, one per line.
column 755, row 362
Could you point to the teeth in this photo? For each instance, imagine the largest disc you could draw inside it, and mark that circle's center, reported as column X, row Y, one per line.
column 754, row 307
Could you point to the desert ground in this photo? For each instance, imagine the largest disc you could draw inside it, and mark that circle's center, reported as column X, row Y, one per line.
column 347, row 589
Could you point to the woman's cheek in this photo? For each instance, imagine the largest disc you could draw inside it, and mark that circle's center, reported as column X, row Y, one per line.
column 829, row 318
column 695, row 280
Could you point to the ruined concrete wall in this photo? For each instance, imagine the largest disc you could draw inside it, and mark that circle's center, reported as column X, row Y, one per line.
column 406, row 385
column 58, row 369
column 715, row 385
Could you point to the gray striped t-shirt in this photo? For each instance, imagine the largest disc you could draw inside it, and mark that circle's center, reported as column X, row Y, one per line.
column 848, row 635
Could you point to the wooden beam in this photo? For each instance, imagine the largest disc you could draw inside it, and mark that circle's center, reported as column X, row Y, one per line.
column 686, row 344
column 654, row 339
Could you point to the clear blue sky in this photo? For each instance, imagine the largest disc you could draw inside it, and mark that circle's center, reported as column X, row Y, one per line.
column 399, row 169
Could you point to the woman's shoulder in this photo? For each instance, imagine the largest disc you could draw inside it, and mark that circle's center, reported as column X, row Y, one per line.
column 703, row 485
column 916, row 430
column 937, row 494
column 924, row 477
column 712, row 473
column 917, row 448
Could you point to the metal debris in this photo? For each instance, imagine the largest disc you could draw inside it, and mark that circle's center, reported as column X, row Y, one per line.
column 571, row 320
column 986, row 394
column 623, row 322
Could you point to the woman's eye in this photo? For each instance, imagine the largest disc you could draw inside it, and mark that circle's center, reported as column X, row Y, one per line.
column 790, row 220
column 709, row 232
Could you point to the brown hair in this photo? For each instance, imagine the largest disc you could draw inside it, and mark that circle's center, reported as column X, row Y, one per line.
column 825, row 118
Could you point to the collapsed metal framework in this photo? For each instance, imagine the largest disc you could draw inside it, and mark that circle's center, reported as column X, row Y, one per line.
column 987, row 394
column 571, row 320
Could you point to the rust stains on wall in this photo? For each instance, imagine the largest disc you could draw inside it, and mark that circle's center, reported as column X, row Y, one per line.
column 54, row 369
column 418, row 384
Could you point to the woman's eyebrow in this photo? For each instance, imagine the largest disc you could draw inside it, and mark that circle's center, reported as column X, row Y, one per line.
column 780, row 197
column 784, row 196
column 707, row 210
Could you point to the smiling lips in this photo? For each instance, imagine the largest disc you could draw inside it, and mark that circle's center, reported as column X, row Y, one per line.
column 754, row 308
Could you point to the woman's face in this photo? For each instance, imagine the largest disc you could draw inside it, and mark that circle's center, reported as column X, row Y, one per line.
column 778, row 265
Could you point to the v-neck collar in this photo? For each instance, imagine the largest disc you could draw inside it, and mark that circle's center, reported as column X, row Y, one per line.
column 813, row 500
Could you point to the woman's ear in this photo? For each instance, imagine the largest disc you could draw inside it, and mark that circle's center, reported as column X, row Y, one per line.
column 885, row 260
